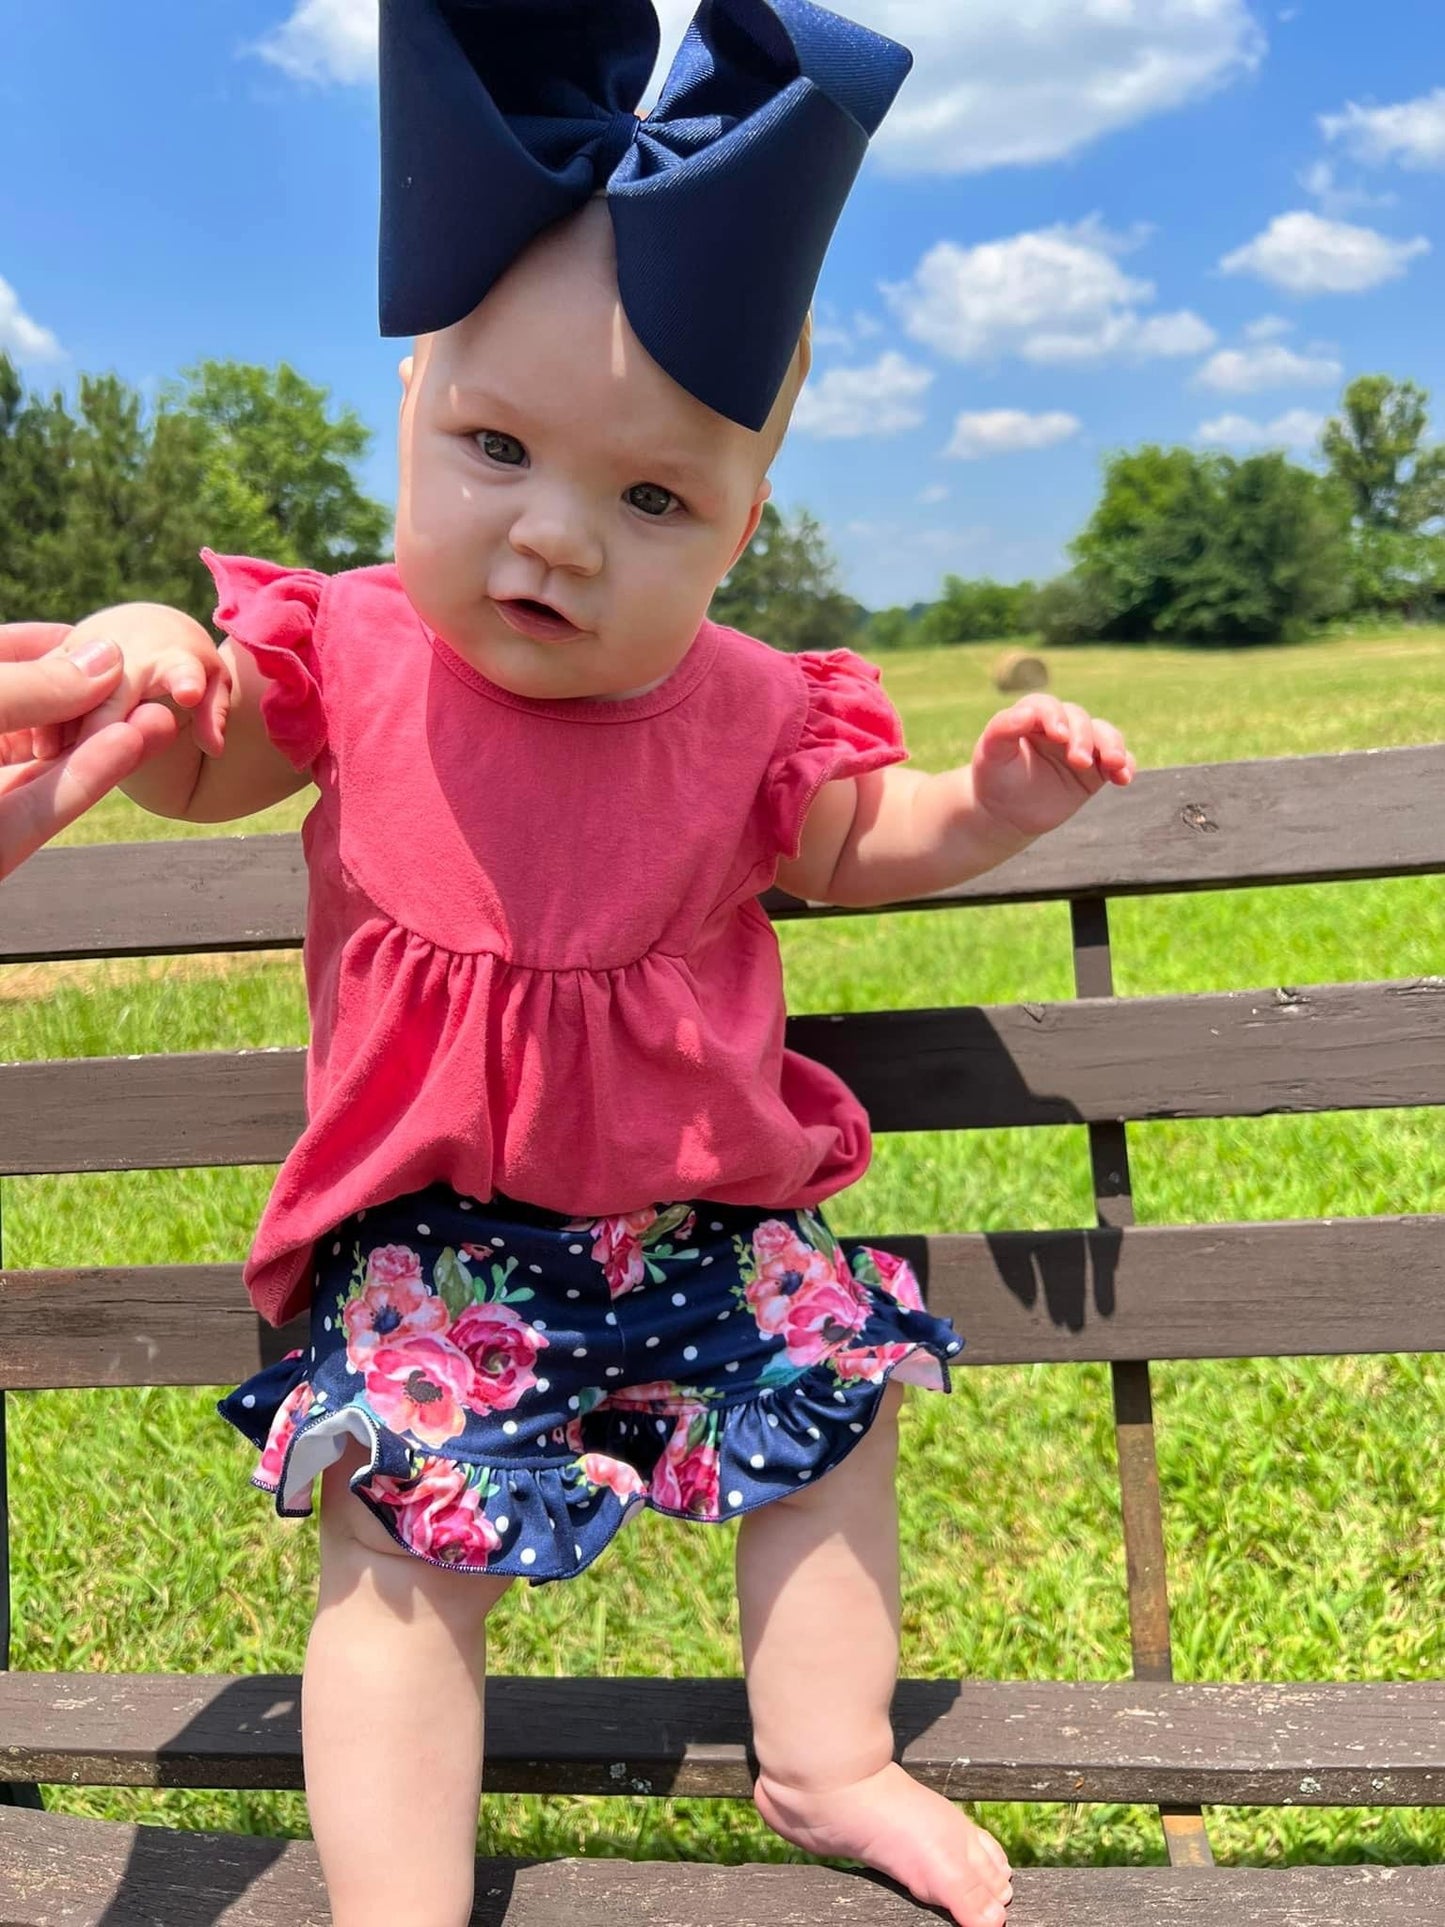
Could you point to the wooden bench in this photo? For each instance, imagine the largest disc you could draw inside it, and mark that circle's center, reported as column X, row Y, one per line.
column 1113, row 1292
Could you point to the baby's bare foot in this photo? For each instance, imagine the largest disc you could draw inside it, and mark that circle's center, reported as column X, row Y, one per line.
column 898, row 1827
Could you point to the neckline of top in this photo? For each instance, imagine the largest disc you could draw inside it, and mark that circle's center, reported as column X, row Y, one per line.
column 591, row 709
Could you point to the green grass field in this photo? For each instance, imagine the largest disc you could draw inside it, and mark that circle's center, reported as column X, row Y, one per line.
column 1303, row 1498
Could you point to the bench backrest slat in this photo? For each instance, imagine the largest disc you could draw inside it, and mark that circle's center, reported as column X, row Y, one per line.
column 1240, row 1054
column 1279, row 1290
column 1200, row 827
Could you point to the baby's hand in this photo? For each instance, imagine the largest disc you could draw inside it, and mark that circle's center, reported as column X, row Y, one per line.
column 168, row 658
column 1037, row 763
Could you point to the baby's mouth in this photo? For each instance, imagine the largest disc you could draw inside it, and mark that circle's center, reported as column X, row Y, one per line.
column 537, row 620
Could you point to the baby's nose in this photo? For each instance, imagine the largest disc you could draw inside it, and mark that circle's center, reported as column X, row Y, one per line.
column 560, row 538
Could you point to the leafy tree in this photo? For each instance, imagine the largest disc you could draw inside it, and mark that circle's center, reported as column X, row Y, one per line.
column 975, row 611
column 277, row 468
column 890, row 629
column 112, row 502
column 1373, row 449
column 784, row 588
column 35, row 470
column 1205, row 548
column 1068, row 610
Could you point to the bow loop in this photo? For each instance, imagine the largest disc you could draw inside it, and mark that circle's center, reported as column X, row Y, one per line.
column 499, row 117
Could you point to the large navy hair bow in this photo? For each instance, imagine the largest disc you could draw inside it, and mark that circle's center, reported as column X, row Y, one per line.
column 498, row 117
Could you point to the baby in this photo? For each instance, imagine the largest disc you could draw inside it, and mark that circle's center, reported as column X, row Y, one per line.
column 555, row 1214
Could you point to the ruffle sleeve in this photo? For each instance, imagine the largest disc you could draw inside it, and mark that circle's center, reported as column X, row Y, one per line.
column 849, row 729
column 271, row 612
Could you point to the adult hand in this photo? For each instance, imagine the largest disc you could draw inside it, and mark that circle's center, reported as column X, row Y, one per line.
column 43, row 689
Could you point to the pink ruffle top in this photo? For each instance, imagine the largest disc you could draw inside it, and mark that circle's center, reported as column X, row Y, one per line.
column 535, row 957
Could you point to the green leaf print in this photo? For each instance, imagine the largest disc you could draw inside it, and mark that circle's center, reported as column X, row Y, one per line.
column 864, row 1269
column 704, row 1424
column 668, row 1220
column 818, row 1235
column 778, row 1372
column 498, row 1295
column 454, row 1284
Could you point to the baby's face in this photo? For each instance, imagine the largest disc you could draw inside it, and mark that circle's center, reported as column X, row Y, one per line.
column 566, row 509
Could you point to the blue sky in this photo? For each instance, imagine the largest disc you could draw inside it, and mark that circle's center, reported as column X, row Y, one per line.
column 1088, row 223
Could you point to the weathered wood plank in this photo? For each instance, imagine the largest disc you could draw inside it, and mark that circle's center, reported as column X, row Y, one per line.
column 156, row 899
column 1127, row 1741
column 1028, row 1297
column 59, row 1871
column 1240, row 1054
column 1203, row 826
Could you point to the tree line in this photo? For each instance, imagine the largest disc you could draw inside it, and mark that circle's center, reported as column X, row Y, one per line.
column 1195, row 547
column 105, row 498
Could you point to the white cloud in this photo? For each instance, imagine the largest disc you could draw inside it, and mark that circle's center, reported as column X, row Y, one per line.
column 936, row 492
column 20, row 336
column 1009, row 431
column 1296, row 429
column 1306, row 254
column 1267, row 364
column 325, row 40
column 831, row 330
column 881, row 400
column 1335, row 199
column 1269, row 327
column 1412, row 132
column 994, row 83
column 1054, row 295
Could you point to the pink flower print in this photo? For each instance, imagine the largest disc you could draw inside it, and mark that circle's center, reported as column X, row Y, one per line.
column 802, row 1296
column 502, row 1348
column 870, row 1362
column 422, row 1386
column 685, row 1479
column 439, row 1515
column 393, row 1304
column 617, row 1247
column 290, row 1413
column 898, row 1278
column 616, row 1474
column 659, row 1393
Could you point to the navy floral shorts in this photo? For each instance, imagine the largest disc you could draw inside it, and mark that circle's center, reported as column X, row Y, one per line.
column 523, row 1382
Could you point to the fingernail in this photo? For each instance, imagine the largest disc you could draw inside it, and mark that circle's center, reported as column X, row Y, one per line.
column 96, row 658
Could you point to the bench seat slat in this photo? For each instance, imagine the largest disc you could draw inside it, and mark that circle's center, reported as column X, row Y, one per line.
column 1367, row 1744
column 1148, row 1292
column 1203, row 826
column 94, row 1873
column 1237, row 1054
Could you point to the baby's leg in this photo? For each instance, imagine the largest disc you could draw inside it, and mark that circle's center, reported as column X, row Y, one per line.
column 818, row 1592
column 391, row 1717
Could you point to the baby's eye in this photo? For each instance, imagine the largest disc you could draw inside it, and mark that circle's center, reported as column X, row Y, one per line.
column 651, row 498
column 501, row 448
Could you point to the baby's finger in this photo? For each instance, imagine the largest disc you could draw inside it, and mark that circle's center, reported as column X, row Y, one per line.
column 183, row 679
column 1113, row 755
column 209, row 721
column 1033, row 716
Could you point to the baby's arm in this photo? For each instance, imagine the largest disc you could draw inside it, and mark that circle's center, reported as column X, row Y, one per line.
column 225, row 764
column 898, row 834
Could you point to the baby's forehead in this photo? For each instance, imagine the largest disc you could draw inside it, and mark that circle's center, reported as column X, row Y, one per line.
column 565, row 353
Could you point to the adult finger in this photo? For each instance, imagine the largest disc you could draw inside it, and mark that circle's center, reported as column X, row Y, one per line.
column 24, row 641
column 31, row 814
column 57, row 688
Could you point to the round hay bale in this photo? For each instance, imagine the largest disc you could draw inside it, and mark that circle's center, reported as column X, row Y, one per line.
column 1017, row 671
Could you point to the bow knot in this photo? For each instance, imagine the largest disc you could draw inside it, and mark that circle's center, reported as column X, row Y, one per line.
column 621, row 131
column 500, row 117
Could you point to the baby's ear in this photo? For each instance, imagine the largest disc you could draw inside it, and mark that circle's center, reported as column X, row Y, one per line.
column 404, row 368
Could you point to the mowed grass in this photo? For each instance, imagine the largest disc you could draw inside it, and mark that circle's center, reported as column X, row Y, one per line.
column 1303, row 1498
